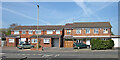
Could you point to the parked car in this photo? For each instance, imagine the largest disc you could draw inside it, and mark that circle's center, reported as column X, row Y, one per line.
column 22, row 46
column 80, row 45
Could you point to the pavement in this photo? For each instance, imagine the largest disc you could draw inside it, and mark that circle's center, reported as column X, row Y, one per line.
column 13, row 52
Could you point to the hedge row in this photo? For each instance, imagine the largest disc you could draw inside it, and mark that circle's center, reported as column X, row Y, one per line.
column 97, row 44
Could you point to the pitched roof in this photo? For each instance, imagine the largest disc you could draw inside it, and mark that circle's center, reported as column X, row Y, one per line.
column 88, row 25
column 44, row 27
column 15, row 36
column 68, row 25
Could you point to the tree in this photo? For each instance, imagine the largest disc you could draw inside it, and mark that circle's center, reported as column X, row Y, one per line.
column 13, row 26
column 8, row 32
column 112, row 33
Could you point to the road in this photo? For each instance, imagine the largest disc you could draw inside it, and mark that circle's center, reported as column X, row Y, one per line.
column 59, row 53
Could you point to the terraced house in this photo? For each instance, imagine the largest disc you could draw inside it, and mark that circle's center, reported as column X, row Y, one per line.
column 60, row 35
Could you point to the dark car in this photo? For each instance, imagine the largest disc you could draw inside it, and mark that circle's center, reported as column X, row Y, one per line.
column 22, row 46
column 80, row 45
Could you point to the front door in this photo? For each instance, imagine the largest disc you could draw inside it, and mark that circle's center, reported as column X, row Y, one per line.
column 55, row 42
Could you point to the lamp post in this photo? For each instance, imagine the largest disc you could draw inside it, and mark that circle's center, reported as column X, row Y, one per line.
column 37, row 25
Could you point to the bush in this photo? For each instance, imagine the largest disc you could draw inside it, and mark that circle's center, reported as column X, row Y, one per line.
column 97, row 44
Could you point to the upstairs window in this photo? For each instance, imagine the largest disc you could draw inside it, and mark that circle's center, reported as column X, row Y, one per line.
column 78, row 31
column 68, row 31
column 30, row 32
column 105, row 30
column 96, row 30
column 49, row 32
column 34, row 40
column 23, row 32
column 38, row 32
column 87, row 31
column 16, row 32
column 57, row 31
column 46, row 40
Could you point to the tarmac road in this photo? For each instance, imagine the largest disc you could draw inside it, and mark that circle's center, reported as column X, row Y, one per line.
column 59, row 53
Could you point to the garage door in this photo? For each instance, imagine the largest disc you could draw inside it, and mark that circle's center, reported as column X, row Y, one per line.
column 68, row 44
column 55, row 42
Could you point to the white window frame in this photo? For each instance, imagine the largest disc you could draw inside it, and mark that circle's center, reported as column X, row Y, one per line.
column 11, row 40
column 46, row 40
column 49, row 31
column 78, row 30
column 34, row 41
column 68, row 31
column 16, row 32
column 30, row 31
column 57, row 31
column 104, row 30
column 39, row 32
column 86, row 30
column 23, row 31
column 96, row 29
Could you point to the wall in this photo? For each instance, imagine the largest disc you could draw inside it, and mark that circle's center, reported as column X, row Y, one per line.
column 116, row 42
column 41, row 43
column 83, row 32
column 11, row 44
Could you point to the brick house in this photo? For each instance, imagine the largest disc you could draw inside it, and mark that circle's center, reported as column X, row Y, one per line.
column 49, row 35
column 85, row 31
column 60, row 35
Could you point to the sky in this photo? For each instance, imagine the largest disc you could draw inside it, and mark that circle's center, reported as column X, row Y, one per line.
column 59, row 13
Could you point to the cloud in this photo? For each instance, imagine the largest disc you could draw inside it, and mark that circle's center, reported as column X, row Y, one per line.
column 87, row 12
column 23, row 15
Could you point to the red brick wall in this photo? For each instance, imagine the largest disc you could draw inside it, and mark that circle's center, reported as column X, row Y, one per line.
column 42, row 43
column 27, row 35
column 83, row 32
column 11, row 44
column 65, row 32
column 54, row 33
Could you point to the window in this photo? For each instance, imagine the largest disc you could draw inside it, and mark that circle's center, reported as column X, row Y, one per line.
column 68, row 31
column 49, row 32
column 30, row 32
column 46, row 40
column 16, row 32
column 105, row 39
column 11, row 40
column 34, row 40
column 78, row 31
column 96, row 30
column 87, row 30
column 105, row 30
column 23, row 32
column 57, row 31
column 38, row 32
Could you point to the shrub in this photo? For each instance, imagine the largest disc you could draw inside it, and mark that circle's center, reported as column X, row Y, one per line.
column 97, row 44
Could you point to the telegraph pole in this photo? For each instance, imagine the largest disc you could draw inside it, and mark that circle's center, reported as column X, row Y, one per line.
column 72, row 28
column 37, row 26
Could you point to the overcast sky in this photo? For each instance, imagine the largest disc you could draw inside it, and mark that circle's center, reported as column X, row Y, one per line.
column 55, row 13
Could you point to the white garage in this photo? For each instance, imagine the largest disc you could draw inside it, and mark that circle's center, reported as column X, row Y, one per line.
column 116, row 40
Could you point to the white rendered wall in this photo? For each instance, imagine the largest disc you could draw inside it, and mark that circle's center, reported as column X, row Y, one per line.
column 116, row 42
column 87, row 42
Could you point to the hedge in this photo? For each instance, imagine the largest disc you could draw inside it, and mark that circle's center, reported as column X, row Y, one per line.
column 97, row 44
